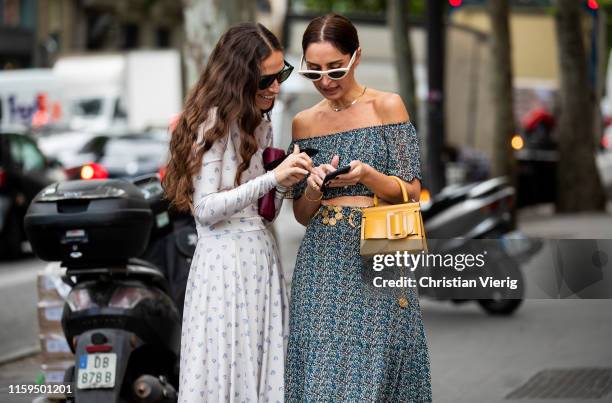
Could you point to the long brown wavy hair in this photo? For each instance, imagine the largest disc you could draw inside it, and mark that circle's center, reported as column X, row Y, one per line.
column 229, row 83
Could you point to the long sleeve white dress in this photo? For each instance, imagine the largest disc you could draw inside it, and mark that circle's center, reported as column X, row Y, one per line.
column 235, row 315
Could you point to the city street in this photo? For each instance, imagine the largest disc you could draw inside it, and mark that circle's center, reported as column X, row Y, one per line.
column 502, row 109
column 474, row 357
column 18, row 323
column 477, row 358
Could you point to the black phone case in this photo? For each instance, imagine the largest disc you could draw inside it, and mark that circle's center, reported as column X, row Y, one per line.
column 332, row 175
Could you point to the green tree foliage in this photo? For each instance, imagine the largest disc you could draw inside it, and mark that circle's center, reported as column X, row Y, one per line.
column 375, row 8
column 347, row 7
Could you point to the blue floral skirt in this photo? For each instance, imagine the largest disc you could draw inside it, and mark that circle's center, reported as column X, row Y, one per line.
column 347, row 342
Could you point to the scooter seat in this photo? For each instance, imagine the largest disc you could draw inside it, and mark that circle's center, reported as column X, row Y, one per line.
column 153, row 274
column 141, row 262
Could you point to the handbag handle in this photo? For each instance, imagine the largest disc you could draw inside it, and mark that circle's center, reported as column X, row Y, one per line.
column 402, row 185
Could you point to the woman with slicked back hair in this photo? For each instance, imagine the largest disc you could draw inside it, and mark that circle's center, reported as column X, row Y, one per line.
column 234, row 319
column 348, row 343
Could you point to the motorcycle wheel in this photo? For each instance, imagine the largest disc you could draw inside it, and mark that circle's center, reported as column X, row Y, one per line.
column 503, row 307
column 499, row 305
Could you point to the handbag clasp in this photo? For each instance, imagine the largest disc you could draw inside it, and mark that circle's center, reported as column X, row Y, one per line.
column 399, row 224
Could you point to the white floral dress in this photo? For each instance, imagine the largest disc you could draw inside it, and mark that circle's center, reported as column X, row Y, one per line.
column 235, row 318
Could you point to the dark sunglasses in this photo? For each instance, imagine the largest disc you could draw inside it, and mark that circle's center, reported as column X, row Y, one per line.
column 267, row 80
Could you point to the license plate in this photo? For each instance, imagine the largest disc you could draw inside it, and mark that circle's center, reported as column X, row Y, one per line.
column 97, row 371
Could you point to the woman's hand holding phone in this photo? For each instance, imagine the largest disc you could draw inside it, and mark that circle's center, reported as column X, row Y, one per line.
column 358, row 170
column 350, row 175
column 317, row 174
column 293, row 169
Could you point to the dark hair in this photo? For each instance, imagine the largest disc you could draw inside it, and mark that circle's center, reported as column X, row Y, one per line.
column 229, row 83
column 333, row 28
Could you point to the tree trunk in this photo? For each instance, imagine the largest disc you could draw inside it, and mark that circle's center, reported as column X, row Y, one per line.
column 503, row 127
column 205, row 21
column 578, row 182
column 436, row 31
column 397, row 19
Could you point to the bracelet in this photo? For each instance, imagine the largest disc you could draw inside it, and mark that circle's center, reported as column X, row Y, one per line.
column 280, row 195
column 312, row 200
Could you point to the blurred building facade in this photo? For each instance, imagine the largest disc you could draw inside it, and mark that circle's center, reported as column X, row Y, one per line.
column 468, row 99
column 77, row 26
column 34, row 33
column 18, row 20
column 535, row 63
column 535, row 58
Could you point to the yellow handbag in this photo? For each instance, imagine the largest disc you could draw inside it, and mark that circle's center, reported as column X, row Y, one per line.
column 395, row 227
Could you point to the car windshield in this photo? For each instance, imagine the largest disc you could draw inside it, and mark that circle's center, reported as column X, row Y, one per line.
column 95, row 146
column 88, row 107
column 146, row 150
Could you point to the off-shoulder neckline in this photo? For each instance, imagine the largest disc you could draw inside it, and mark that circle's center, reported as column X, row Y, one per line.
column 354, row 129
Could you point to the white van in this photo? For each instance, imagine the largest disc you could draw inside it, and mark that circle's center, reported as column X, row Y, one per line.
column 28, row 96
column 122, row 91
column 113, row 94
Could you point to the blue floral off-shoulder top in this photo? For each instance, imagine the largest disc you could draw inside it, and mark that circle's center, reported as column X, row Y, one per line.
column 392, row 149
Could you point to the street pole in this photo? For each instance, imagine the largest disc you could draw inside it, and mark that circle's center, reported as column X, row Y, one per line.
column 436, row 177
column 397, row 20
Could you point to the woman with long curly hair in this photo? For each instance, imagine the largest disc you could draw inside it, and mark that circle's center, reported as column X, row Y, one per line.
column 235, row 317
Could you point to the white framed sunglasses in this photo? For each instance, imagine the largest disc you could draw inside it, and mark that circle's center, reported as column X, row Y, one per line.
column 333, row 74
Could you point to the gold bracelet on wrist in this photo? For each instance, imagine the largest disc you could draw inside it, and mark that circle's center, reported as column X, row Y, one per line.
column 312, row 200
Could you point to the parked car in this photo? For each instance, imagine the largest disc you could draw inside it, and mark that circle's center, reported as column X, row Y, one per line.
column 24, row 171
column 60, row 143
column 120, row 156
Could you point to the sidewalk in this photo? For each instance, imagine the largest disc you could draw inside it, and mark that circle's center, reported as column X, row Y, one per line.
column 19, row 372
column 478, row 358
column 542, row 222
column 548, row 347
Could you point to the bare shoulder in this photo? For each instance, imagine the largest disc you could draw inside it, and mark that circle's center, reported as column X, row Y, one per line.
column 299, row 129
column 302, row 122
column 390, row 107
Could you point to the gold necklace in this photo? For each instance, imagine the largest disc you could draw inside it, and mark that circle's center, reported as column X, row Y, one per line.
column 349, row 105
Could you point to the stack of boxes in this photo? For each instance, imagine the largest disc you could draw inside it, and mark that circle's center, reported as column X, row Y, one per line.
column 56, row 354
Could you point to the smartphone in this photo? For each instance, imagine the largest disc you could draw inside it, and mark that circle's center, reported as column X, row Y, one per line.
column 334, row 174
column 311, row 152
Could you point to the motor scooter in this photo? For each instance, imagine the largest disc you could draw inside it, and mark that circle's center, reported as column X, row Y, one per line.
column 470, row 218
column 119, row 319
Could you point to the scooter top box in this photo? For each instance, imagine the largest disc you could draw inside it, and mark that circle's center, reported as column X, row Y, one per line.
column 85, row 221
